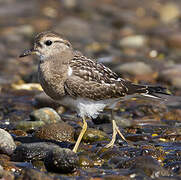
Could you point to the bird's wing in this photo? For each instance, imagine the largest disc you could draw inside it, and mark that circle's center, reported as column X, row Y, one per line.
column 93, row 80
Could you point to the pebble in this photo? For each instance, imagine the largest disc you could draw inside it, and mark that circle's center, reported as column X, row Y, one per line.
column 33, row 151
column 29, row 125
column 7, row 144
column 56, row 131
column 135, row 68
column 29, row 173
column 169, row 12
column 147, row 165
column 61, row 160
column 172, row 75
column 85, row 161
column 28, row 86
column 135, row 41
column 94, row 135
column 174, row 40
column 9, row 165
column 46, row 114
column 175, row 167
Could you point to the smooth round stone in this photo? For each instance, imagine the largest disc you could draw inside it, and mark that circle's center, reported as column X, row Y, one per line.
column 29, row 125
column 7, row 144
column 61, row 161
column 48, row 115
column 135, row 68
column 56, row 131
column 134, row 41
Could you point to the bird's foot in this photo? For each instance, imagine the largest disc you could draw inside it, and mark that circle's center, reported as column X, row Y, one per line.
column 115, row 132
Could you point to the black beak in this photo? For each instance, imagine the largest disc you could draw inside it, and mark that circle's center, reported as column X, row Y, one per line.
column 27, row 53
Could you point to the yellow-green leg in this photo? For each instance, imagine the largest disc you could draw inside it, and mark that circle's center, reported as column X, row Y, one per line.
column 84, row 128
column 115, row 132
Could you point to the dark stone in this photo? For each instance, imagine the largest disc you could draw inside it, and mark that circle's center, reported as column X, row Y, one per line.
column 61, row 161
column 32, row 151
column 146, row 165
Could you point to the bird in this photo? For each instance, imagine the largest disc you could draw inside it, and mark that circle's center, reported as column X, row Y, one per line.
column 80, row 83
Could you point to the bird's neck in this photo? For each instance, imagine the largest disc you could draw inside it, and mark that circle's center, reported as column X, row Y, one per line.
column 56, row 65
column 52, row 75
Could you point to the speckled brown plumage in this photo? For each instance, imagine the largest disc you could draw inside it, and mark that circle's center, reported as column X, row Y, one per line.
column 92, row 80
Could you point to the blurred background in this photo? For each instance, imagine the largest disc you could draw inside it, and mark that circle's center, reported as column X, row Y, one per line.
column 140, row 39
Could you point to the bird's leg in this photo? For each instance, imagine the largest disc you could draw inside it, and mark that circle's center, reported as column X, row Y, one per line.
column 84, row 128
column 111, row 143
column 115, row 131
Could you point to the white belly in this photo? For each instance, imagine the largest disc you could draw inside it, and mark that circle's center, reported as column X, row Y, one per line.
column 87, row 107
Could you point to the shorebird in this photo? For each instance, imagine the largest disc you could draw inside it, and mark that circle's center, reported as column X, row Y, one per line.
column 81, row 83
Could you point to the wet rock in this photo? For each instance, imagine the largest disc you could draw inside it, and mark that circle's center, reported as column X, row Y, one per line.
column 28, row 173
column 32, row 151
column 48, row 115
column 39, row 165
column 10, row 166
column 135, row 68
column 172, row 75
column 114, row 161
column 175, row 167
column 146, row 165
column 7, row 144
column 56, row 131
column 135, row 41
column 85, row 161
column 94, row 135
column 110, row 153
column 61, row 161
column 18, row 132
column 29, row 125
column 126, row 152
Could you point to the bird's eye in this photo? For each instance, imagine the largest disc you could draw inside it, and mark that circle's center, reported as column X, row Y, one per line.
column 48, row 42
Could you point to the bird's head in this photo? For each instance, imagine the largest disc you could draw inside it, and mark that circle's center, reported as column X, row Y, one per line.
column 47, row 45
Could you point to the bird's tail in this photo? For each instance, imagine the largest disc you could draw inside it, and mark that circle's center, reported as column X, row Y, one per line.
column 145, row 90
